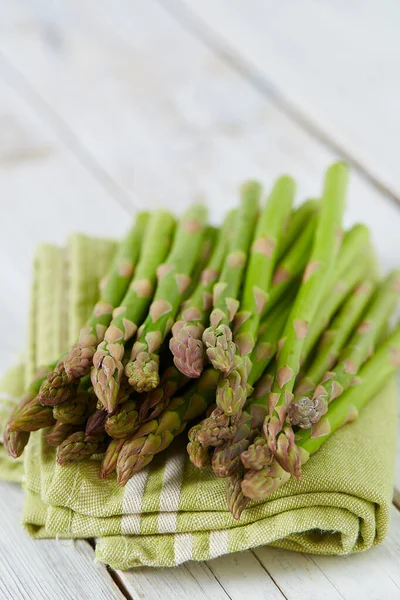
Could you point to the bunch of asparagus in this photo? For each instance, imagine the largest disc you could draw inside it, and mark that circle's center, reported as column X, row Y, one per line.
column 273, row 330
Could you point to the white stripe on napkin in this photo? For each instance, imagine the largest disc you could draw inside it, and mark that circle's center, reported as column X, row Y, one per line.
column 132, row 502
column 183, row 547
column 171, row 492
column 218, row 543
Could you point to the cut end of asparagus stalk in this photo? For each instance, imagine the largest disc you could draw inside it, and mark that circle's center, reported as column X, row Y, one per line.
column 143, row 372
column 187, row 348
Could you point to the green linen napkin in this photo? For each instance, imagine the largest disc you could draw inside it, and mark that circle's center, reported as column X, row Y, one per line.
column 170, row 512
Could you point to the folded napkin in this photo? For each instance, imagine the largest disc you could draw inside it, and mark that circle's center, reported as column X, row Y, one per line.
column 171, row 512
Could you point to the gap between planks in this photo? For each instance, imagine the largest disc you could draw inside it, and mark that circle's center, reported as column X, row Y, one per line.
column 196, row 25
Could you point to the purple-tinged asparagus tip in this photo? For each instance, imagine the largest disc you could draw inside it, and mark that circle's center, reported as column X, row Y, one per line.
column 188, row 349
column 220, row 347
column 305, row 411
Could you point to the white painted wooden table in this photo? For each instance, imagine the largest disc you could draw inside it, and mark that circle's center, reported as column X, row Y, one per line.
column 108, row 105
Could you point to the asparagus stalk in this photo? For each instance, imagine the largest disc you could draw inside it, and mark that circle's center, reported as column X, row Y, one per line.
column 354, row 260
column 357, row 350
column 211, row 234
column 217, row 338
column 60, row 432
column 236, row 500
column 269, row 334
column 157, row 400
column 110, row 459
column 232, row 389
column 333, row 340
column 78, row 361
column 31, row 417
column 154, row 436
column 298, row 222
column 123, row 421
column 315, row 280
column 57, row 387
column 186, row 343
column 292, row 265
column 372, row 378
column 15, row 441
column 61, row 382
column 218, row 427
column 77, row 410
column 108, row 367
column 79, row 446
column 174, row 277
column 96, row 422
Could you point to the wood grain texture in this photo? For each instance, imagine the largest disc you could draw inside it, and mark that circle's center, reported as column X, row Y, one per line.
column 374, row 575
column 46, row 194
column 332, row 65
column 47, row 569
column 193, row 580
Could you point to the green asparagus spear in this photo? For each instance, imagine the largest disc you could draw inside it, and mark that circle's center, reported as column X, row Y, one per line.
column 110, row 459
column 154, row 436
column 232, row 388
column 298, row 222
column 78, row 361
column 15, row 441
column 60, row 432
column 236, row 500
column 292, row 265
column 123, row 421
column 174, row 277
column 61, row 383
column 96, row 422
column 315, row 281
column 186, row 343
column 332, row 342
column 217, row 338
column 355, row 262
column 372, row 378
column 77, row 410
column 360, row 346
column 31, row 417
column 79, row 446
column 108, row 368
column 157, row 400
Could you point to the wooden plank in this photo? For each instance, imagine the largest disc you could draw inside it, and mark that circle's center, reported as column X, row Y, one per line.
column 193, row 580
column 374, row 575
column 34, row 570
column 47, row 195
column 344, row 90
column 242, row 576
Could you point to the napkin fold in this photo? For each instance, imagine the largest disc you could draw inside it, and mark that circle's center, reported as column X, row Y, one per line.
column 171, row 512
